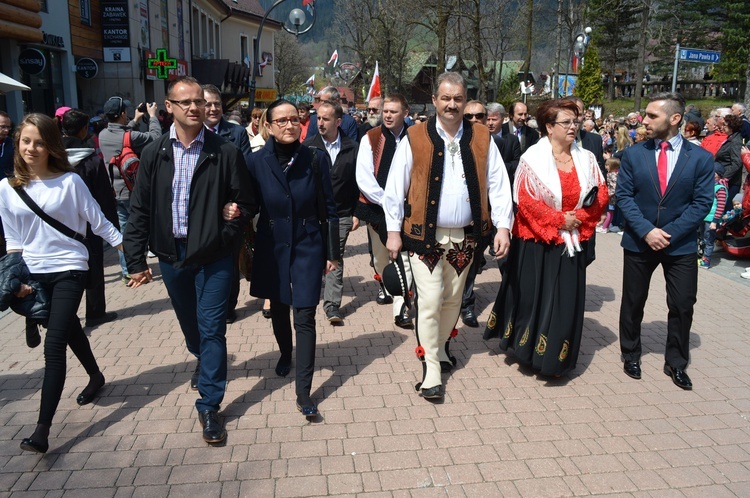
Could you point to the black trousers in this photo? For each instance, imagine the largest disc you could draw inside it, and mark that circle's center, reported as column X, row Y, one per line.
column 96, row 305
column 304, row 328
column 64, row 328
column 681, row 275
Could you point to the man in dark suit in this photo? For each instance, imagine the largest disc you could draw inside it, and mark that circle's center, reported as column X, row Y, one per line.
column 510, row 151
column 517, row 126
column 238, row 136
column 664, row 189
column 348, row 125
column 341, row 152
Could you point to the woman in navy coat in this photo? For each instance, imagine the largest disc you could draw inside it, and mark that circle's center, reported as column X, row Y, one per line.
column 290, row 253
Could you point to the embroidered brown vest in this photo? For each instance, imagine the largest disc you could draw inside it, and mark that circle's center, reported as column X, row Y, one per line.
column 383, row 146
column 423, row 197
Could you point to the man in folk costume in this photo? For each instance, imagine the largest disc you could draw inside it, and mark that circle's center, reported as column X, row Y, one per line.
column 376, row 151
column 444, row 180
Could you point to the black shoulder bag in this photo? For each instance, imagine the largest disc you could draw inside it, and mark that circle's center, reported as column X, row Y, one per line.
column 60, row 227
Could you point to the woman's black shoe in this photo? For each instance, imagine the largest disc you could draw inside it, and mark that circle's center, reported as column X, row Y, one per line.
column 29, row 444
column 284, row 366
column 89, row 392
column 38, row 441
column 266, row 313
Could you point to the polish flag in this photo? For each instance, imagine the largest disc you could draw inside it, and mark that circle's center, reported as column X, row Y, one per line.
column 310, row 81
column 334, row 58
column 375, row 85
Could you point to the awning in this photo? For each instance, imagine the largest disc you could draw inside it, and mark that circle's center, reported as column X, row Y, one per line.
column 8, row 84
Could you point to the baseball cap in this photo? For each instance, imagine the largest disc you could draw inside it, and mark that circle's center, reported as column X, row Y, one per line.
column 60, row 111
column 116, row 106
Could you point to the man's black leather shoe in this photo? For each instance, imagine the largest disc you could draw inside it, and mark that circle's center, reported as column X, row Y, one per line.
column 403, row 320
column 106, row 317
column 433, row 392
column 306, row 406
column 231, row 317
column 196, row 375
column 213, row 429
column 33, row 339
column 632, row 369
column 679, row 377
column 469, row 319
column 383, row 298
column 446, row 366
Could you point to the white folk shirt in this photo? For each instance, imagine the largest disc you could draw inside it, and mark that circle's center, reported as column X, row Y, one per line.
column 366, row 180
column 454, row 209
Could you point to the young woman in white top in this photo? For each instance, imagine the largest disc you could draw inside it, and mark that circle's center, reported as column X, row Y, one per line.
column 58, row 262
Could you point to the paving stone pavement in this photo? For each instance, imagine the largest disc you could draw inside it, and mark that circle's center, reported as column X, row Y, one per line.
column 500, row 431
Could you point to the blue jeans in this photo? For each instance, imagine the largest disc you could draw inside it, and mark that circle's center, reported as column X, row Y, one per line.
column 199, row 297
column 123, row 213
column 709, row 238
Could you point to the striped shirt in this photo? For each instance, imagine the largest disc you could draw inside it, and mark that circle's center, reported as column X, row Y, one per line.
column 185, row 161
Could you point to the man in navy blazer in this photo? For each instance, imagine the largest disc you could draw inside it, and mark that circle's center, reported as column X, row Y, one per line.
column 237, row 135
column 664, row 190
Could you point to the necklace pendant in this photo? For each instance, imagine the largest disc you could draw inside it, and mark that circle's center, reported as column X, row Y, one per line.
column 452, row 148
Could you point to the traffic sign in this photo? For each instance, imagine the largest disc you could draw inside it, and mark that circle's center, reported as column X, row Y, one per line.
column 698, row 55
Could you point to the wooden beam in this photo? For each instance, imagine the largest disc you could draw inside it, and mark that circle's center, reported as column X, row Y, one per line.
column 20, row 33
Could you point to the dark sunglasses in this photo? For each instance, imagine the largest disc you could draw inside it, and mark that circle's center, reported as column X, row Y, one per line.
column 373, row 110
column 478, row 115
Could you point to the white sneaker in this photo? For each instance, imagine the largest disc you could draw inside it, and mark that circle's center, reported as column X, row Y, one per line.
column 745, row 275
column 601, row 230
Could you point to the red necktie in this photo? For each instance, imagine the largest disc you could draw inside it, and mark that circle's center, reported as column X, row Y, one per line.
column 661, row 165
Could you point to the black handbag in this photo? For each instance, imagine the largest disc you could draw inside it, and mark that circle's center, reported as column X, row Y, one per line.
column 591, row 196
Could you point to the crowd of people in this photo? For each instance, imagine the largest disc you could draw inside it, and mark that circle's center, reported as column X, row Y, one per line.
column 434, row 193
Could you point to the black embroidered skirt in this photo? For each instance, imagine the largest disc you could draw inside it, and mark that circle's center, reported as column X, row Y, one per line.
column 538, row 313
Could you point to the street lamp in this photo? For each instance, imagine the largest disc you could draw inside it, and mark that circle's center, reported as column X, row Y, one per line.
column 297, row 19
column 578, row 49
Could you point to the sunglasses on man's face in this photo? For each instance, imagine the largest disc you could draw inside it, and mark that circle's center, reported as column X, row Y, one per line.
column 472, row 115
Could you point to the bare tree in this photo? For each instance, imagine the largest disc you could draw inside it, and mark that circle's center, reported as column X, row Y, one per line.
column 289, row 63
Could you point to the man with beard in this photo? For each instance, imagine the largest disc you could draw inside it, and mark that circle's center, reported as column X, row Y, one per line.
column 376, row 152
column 445, row 177
column 374, row 116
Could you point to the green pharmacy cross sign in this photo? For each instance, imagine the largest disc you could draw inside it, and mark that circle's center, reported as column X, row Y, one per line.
column 162, row 63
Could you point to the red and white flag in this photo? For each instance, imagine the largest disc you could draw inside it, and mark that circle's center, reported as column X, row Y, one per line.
column 334, row 58
column 375, row 85
column 310, row 81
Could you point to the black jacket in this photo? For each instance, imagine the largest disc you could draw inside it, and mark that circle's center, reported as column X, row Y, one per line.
column 510, row 150
column 13, row 273
column 343, row 173
column 592, row 142
column 237, row 135
column 729, row 155
column 220, row 177
column 529, row 136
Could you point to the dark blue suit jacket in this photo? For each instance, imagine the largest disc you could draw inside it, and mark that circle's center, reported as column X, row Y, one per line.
column 679, row 212
column 237, row 135
column 289, row 246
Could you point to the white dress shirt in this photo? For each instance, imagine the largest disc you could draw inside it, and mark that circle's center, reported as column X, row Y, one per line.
column 366, row 180
column 333, row 148
column 454, row 210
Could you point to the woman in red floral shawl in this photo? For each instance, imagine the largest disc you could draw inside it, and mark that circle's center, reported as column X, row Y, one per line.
column 561, row 194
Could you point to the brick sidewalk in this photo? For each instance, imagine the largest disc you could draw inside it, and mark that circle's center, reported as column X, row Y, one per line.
column 500, row 432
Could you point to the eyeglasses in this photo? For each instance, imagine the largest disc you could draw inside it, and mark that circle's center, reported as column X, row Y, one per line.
column 373, row 110
column 185, row 104
column 282, row 122
column 213, row 104
column 568, row 123
column 472, row 115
